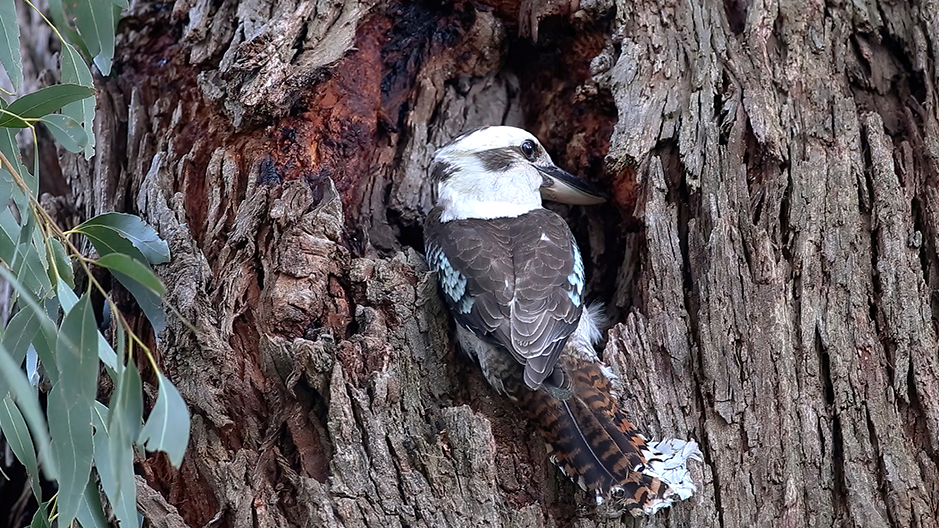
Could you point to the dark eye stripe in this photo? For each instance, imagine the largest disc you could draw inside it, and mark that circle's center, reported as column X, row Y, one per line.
column 496, row 160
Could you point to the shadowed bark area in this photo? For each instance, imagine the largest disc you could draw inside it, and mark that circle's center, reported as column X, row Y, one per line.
column 768, row 254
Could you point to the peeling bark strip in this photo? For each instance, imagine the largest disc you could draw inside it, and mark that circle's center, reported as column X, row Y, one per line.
column 770, row 257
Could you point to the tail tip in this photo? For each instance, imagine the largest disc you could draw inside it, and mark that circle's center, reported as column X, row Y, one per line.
column 671, row 466
column 668, row 463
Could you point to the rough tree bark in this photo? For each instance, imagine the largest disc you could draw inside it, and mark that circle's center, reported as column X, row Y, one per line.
column 768, row 255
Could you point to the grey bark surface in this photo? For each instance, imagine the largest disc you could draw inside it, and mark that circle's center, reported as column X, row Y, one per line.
column 774, row 173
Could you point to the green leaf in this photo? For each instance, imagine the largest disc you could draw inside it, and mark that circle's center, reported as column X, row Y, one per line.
column 62, row 21
column 41, row 517
column 95, row 22
column 115, row 232
column 27, row 297
column 133, row 269
column 90, row 513
column 124, row 424
column 74, row 70
column 14, row 427
column 126, row 414
column 78, row 354
column 9, row 233
column 105, row 353
column 127, row 410
column 30, row 267
column 8, row 120
column 11, row 151
column 141, row 282
column 19, row 333
column 167, row 428
column 107, row 471
column 148, row 301
column 68, row 299
column 66, row 131
column 29, row 229
column 63, row 264
column 10, row 43
column 44, row 344
column 70, row 404
column 13, row 377
column 70, row 426
column 47, row 336
column 45, row 101
column 6, row 185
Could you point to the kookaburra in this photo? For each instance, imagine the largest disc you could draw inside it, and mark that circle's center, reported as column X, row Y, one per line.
column 512, row 276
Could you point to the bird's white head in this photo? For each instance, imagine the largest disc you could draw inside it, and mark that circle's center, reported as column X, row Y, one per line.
column 501, row 171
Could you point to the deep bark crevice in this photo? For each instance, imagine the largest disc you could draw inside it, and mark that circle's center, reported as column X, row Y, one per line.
column 840, row 488
column 881, row 472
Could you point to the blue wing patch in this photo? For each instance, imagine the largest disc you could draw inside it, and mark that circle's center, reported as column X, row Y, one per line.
column 451, row 281
column 576, row 279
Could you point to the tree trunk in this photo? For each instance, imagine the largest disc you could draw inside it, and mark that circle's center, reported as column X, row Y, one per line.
column 768, row 255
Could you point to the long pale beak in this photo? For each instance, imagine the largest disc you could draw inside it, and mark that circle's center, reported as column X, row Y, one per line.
column 562, row 186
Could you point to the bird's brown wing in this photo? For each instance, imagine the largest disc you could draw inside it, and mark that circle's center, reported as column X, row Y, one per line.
column 515, row 282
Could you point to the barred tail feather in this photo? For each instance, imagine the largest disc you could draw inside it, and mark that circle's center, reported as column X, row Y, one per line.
column 591, row 441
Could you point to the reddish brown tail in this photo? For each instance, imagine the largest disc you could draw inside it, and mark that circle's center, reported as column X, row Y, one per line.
column 588, row 437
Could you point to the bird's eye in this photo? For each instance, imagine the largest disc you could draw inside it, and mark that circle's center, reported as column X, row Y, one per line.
column 528, row 149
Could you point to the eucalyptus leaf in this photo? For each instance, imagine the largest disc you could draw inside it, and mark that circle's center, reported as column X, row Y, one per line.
column 95, row 22
column 74, row 70
column 29, row 228
column 10, row 43
column 70, row 427
column 116, row 232
column 132, row 269
column 167, row 427
column 124, row 424
column 30, row 267
column 62, row 21
column 106, row 354
column 41, row 517
column 17, row 434
column 19, row 333
column 44, row 344
column 45, row 101
column 70, row 405
column 68, row 299
column 11, row 152
column 6, row 186
column 48, row 334
column 63, row 264
column 103, row 458
column 11, row 120
column 90, row 512
column 13, row 378
column 66, row 131
column 27, row 297
column 9, row 233
column 149, row 302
